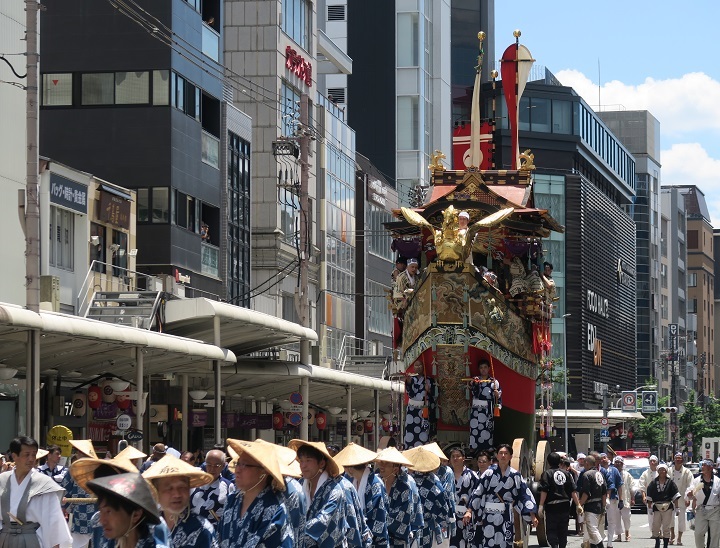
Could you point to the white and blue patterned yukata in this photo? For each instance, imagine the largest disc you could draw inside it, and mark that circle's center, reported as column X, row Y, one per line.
column 209, row 500
column 296, row 504
column 193, row 530
column 434, row 509
column 417, row 427
column 59, row 473
column 464, row 487
column 495, row 527
column 158, row 535
column 376, row 504
column 265, row 524
column 81, row 513
column 447, row 481
column 326, row 518
column 358, row 535
column 404, row 516
column 482, row 420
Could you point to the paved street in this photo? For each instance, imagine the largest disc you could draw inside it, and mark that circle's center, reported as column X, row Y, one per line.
column 639, row 536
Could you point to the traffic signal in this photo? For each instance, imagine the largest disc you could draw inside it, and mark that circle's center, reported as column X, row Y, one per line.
column 668, row 409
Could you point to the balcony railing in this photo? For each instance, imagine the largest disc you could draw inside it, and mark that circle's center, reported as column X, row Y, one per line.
column 209, row 259
column 210, row 42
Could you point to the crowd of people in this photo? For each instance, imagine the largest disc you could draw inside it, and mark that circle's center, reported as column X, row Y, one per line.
column 259, row 494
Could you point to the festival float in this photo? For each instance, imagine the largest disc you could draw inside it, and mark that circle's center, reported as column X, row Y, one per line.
column 483, row 294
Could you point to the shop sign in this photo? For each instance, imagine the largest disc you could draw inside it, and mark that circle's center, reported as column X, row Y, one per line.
column 376, row 192
column 114, row 210
column 67, row 193
column 298, row 65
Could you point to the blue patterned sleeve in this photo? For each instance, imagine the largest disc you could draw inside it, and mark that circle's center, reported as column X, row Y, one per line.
column 524, row 500
column 438, row 514
column 401, row 511
column 377, row 514
column 277, row 533
column 322, row 527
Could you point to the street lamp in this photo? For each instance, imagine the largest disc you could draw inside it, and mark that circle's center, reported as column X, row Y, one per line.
column 564, row 319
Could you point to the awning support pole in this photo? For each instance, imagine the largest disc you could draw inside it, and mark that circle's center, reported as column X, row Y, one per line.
column 139, row 374
column 305, row 393
column 218, row 382
column 376, row 393
column 348, row 420
column 184, row 411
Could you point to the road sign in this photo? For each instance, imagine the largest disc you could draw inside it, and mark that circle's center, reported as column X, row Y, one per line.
column 689, row 435
column 123, row 422
column 604, row 439
column 604, row 433
column 629, row 401
column 604, row 421
column 689, row 444
column 649, row 402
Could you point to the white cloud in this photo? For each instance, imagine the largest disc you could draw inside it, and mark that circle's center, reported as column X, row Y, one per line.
column 690, row 164
column 681, row 105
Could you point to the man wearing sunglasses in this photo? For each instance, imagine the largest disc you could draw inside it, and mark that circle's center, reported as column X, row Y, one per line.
column 209, row 500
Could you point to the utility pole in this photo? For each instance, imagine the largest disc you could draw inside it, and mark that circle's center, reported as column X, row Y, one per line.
column 32, row 220
column 302, row 301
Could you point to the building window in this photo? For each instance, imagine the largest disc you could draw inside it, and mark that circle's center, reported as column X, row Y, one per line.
column 238, row 220
column 692, row 279
column 297, row 22
column 161, row 87
column 379, row 239
column 62, row 232
column 57, row 89
column 97, row 247
column 692, row 239
column 153, row 205
column 98, row 88
column 132, row 88
column 290, row 101
column 119, row 253
column 408, row 123
column 380, row 320
column 409, row 46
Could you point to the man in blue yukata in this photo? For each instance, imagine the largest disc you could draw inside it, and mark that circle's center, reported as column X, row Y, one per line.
column 255, row 514
column 328, row 513
column 369, row 487
column 80, row 512
column 434, row 505
column 209, row 500
column 173, row 479
column 404, row 517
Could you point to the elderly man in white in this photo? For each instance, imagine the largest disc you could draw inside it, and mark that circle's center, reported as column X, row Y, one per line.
column 682, row 477
column 704, row 493
column 648, row 476
column 628, row 495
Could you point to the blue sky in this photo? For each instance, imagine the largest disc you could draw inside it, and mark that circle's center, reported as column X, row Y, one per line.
column 658, row 56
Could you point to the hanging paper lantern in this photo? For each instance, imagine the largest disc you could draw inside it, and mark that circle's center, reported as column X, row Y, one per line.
column 79, row 404
column 311, row 416
column 278, row 421
column 321, row 420
column 94, row 397
column 368, row 426
column 385, row 425
column 123, row 399
column 108, row 394
column 359, row 428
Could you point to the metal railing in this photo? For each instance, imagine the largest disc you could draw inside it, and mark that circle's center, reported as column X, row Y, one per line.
column 102, row 277
column 355, row 346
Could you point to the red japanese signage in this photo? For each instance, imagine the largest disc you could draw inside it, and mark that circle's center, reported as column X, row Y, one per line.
column 298, row 65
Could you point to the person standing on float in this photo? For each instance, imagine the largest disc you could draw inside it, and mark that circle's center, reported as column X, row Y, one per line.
column 486, row 397
column 420, row 391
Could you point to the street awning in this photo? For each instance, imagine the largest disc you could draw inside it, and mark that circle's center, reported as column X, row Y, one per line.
column 274, row 379
column 88, row 347
column 242, row 330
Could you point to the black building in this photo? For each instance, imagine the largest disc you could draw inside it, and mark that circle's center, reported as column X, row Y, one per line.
column 135, row 95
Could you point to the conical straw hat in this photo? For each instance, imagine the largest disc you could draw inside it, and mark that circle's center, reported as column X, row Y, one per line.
column 84, row 470
column 130, row 453
column 289, row 466
column 132, row 488
column 392, row 455
column 423, row 461
column 85, row 447
column 264, row 455
column 355, row 455
column 333, row 468
column 434, row 448
column 41, row 453
column 170, row 466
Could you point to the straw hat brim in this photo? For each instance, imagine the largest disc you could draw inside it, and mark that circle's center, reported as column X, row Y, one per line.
column 333, row 468
column 355, row 455
column 41, row 454
column 393, row 456
column 132, row 488
column 169, row 467
column 264, row 455
column 435, row 449
column 289, row 466
column 85, row 447
column 423, row 461
column 83, row 470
